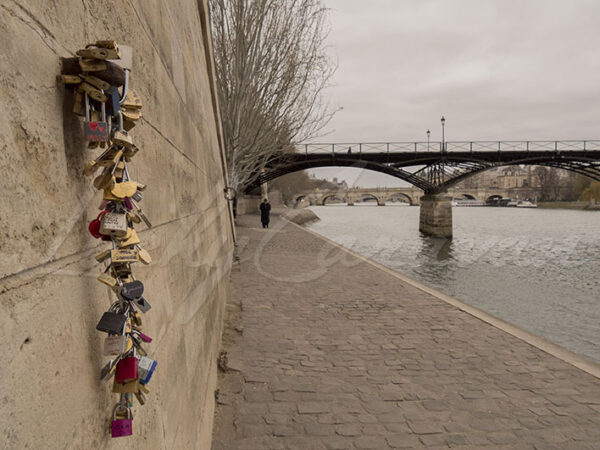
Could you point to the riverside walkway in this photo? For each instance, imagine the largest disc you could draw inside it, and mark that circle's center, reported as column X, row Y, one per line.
column 327, row 351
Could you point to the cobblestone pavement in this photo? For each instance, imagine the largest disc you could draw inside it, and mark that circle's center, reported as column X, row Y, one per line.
column 327, row 352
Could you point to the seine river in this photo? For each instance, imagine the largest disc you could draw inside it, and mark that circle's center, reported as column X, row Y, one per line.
column 536, row 268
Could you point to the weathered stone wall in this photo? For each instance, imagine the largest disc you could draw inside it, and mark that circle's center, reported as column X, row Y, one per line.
column 50, row 301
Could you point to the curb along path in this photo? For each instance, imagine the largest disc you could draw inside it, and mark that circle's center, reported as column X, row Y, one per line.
column 329, row 352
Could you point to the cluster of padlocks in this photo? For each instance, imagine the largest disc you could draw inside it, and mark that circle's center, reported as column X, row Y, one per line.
column 96, row 76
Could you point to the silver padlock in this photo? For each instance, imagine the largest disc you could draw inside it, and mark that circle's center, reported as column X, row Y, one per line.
column 113, row 224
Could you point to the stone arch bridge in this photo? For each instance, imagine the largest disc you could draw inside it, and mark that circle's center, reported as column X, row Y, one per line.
column 410, row 195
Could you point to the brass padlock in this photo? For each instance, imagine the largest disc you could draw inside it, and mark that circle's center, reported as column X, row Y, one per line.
column 132, row 240
column 92, row 65
column 107, row 279
column 120, row 136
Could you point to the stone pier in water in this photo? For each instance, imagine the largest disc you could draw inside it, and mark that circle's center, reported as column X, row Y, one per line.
column 435, row 217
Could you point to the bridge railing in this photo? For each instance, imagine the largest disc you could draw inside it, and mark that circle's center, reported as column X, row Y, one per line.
column 350, row 148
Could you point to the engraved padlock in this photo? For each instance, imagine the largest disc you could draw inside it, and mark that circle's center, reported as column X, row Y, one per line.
column 114, row 344
column 95, row 131
column 120, row 136
column 146, row 367
column 113, row 224
column 121, row 427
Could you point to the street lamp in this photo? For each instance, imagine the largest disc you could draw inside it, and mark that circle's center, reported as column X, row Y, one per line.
column 428, row 133
column 443, row 137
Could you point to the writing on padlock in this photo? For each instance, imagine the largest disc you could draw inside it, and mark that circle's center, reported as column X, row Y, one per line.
column 113, row 224
column 115, row 344
column 124, row 255
column 132, row 290
column 121, row 427
column 146, row 367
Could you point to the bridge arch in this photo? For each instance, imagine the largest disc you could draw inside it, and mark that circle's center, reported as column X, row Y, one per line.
column 368, row 196
column 323, row 201
column 402, row 196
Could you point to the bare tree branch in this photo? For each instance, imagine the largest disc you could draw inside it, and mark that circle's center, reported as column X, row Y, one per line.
column 272, row 68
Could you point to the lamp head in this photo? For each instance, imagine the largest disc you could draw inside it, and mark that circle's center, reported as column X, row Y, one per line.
column 443, row 120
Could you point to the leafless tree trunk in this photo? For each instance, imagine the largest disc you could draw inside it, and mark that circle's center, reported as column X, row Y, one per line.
column 271, row 68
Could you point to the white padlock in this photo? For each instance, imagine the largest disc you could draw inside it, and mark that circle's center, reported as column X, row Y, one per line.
column 113, row 224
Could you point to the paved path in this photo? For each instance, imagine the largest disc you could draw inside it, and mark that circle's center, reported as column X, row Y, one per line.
column 328, row 352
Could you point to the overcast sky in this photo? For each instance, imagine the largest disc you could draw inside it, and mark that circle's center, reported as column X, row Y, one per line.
column 496, row 69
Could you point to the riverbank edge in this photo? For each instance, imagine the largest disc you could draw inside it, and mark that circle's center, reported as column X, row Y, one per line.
column 581, row 362
column 580, row 206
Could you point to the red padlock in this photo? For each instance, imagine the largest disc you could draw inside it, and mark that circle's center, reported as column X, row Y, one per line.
column 94, row 225
column 126, row 370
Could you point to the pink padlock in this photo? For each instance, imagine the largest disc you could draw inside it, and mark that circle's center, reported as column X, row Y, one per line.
column 126, row 370
column 121, row 427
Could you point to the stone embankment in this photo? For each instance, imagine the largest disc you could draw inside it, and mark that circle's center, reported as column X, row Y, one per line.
column 327, row 350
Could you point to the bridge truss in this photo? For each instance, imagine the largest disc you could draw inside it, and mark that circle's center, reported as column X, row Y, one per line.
column 436, row 166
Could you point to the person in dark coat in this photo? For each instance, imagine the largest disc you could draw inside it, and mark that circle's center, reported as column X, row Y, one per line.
column 265, row 210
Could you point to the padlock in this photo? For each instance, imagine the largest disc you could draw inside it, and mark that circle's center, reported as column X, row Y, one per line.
column 95, row 131
column 94, row 225
column 137, row 196
column 103, row 256
column 99, row 53
column 146, row 367
column 131, row 386
column 104, row 180
column 126, row 370
column 131, row 240
column 124, row 189
column 132, row 290
column 112, row 104
column 120, row 136
column 112, row 322
column 142, row 304
column 96, row 82
column 125, row 255
column 141, row 397
column 108, row 369
column 121, row 427
column 115, row 344
column 113, row 224
column 107, row 279
column 144, row 256
column 92, row 92
column 136, row 319
column 92, row 65
column 142, row 336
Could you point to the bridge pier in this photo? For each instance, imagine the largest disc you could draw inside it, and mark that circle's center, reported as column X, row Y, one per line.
column 380, row 203
column 435, row 218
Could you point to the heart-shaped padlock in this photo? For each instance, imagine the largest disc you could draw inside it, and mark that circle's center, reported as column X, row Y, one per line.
column 94, row 225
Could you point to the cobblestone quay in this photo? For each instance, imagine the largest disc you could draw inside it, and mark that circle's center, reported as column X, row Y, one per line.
column 328, row 351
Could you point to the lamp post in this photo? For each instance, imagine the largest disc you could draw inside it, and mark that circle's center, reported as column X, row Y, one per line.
column 428, row 133
column 443, row 120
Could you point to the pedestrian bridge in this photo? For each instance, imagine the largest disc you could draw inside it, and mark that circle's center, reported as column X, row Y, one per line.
column 410, row 195
column 434, row 167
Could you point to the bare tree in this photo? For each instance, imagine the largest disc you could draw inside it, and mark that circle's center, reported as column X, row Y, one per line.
column 271, row 68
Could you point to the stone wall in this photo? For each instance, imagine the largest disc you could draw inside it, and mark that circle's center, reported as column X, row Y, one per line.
column 50, row 301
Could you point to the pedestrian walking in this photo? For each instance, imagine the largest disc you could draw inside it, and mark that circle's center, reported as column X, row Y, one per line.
column 265, row 211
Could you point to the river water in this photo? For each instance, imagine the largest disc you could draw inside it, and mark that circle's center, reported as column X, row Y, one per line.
column 536, row 268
